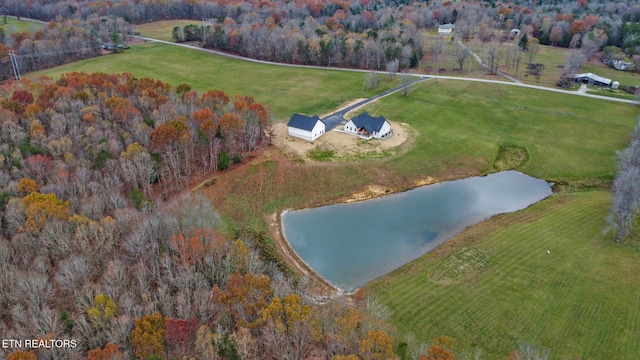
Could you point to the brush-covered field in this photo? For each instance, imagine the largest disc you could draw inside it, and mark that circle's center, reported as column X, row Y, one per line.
column 163, row 30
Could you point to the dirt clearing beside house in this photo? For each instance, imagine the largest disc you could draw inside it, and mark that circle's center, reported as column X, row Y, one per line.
column 346, row 147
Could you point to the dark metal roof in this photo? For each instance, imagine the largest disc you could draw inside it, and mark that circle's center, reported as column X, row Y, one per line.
column 304, row 122
column 369, row 122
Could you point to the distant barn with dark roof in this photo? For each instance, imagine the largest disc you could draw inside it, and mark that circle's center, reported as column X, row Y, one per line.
column 367, row 126
column 306, row 127
column 592, row 79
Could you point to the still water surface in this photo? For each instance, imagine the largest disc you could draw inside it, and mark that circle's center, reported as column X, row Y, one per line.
column 352, row 244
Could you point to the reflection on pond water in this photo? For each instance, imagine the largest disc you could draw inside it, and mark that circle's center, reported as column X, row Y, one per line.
column 352, row 244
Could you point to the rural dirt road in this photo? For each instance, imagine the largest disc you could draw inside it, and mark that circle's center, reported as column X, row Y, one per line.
column 455, row 78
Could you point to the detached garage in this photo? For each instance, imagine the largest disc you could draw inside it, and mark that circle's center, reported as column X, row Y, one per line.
column 306, row 127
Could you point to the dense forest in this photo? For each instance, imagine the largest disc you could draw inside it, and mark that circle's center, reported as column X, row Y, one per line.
column 362, row 34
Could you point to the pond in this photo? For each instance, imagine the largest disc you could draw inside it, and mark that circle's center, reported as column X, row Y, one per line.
column 354, row 243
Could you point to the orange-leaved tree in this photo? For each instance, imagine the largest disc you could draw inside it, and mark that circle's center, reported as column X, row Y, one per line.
column 27, row 186
column 147, row 337
column 21, row 355
column 377, row 345
column 244, row 297
column 111, row 351
column 41, row 208
column 286, row 327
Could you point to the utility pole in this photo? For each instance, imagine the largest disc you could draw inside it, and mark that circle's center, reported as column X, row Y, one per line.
column 14, row 65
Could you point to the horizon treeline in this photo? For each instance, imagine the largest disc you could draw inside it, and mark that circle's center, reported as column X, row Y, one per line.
column 361, row 34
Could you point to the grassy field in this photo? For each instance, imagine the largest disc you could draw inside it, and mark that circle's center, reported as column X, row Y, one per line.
column 495, row 286
column 285, row 89
column 163, row 29
column 14, row 25
column 629, row 78
column 462, row 125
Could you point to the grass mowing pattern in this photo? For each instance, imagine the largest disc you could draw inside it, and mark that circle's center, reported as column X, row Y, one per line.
column 285, row 89
column 581, row 299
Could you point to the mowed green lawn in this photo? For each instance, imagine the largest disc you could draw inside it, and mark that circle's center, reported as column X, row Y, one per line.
column 285, row 89
column 462, row 124
column 495, row 287
column 14, row 25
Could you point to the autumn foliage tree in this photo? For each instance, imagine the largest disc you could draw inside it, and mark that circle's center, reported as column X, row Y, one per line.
column 27, row 186
column 102, row 311
column 180, row 336
column 42, row 208
column 110, row 352
column 22, row 355
column 243, row 298
column 147, row 337
column 286, row 327
column 377, row 345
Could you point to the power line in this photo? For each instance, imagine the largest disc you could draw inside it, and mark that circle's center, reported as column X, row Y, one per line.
column 14, row 65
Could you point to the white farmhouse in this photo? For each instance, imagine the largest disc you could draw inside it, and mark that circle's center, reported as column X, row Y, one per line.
column 306, row 127
column 367, row 127
column 445, row 29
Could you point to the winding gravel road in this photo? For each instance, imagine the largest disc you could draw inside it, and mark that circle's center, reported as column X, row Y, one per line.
column 421, row 76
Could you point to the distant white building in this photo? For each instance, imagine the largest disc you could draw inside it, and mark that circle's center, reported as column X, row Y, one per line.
column 367, row 126
column 306, row 127
column 515, row 32
column 445, row 29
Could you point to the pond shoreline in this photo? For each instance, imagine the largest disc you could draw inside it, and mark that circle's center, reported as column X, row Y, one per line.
column 299, row 266
column 291, row 258
column 348, row 266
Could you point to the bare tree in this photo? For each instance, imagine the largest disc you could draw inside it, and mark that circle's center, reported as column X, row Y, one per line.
column 492, row 55
column 528, row 352
column 436, row 48
column 533, row 48
column 626, row 189
column 575, row 60
column 405, row 82
column 72, row 272
column 392, row 68
column 371, row 80
column 461, row 54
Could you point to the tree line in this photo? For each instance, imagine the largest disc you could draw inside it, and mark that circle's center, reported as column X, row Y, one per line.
column 626, row 189
column 362, row 34
column 59, row 42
